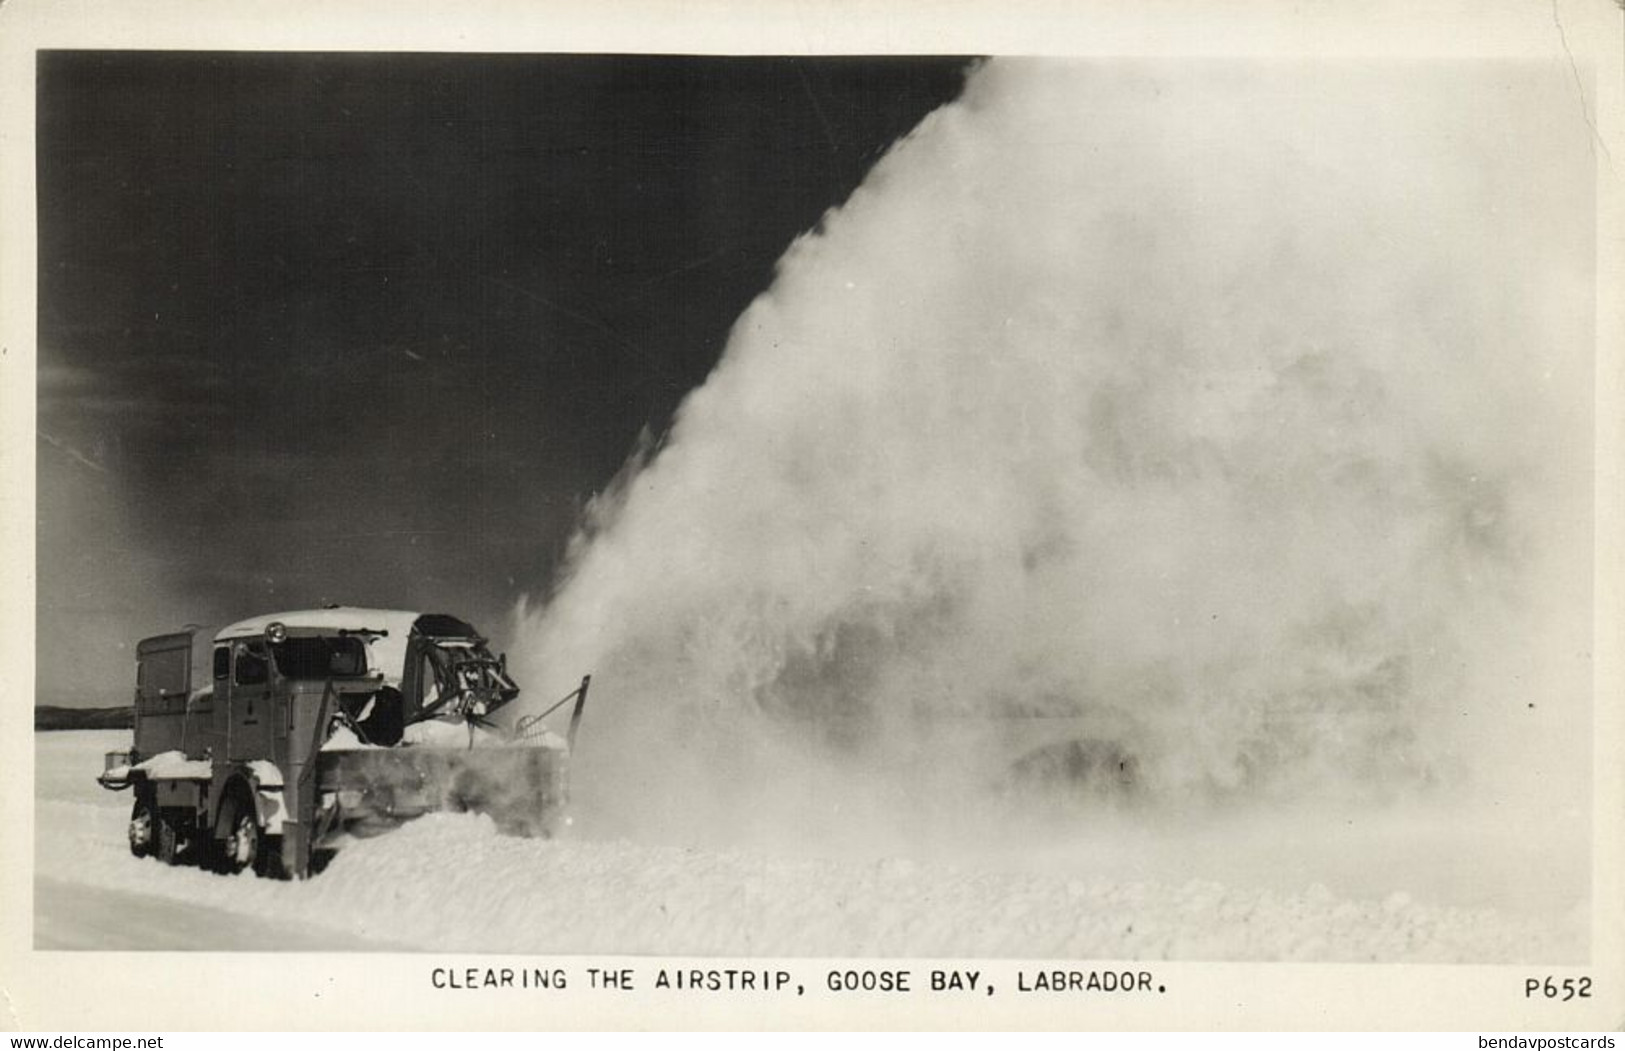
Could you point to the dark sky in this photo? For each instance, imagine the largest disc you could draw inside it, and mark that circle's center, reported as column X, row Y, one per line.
column 370, row 328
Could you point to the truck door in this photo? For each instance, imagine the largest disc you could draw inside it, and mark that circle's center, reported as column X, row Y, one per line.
column 220, row 702
column 250, row 715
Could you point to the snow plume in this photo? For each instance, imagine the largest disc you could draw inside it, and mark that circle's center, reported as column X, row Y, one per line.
column 1168, row 435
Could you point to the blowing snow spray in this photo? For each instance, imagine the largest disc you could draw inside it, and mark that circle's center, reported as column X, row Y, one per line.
column 1136, row 434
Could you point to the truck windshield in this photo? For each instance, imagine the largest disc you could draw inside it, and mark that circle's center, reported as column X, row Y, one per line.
column 321, row 657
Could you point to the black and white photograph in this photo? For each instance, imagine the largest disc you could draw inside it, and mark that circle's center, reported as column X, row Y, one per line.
column 1098, row 512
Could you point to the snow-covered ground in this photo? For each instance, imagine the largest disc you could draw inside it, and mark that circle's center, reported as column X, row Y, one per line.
column 1343, row 888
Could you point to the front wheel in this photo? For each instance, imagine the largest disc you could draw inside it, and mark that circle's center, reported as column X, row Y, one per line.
column 141, row 826
column 243, row 844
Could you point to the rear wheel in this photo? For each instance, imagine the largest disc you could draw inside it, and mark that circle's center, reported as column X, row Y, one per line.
column 268, row 862
column 243, row 842
column 142, row 826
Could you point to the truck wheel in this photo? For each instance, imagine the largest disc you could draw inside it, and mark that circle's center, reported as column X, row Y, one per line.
column 268, row 863
column 243, row 844
column 142, row 826
column 173, row 844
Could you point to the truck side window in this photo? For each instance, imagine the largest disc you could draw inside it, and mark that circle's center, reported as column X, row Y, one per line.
column 252, row 668
column 222, row 662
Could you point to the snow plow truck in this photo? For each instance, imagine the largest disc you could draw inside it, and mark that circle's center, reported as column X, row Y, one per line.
column 256, row 750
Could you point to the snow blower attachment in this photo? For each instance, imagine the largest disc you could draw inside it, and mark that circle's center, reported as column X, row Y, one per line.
column 299, row 725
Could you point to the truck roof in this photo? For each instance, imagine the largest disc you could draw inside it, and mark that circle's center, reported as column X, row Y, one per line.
column 386, row 654
column 354, row 618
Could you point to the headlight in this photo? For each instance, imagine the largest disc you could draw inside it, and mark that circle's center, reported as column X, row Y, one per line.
column 276, row 632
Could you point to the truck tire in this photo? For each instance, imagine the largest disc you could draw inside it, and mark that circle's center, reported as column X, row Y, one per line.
column 242, row 841
column 143, row 828
column 175, row 841
column 269, row 862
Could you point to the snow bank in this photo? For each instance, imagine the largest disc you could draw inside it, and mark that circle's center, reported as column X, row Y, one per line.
column 448, row 882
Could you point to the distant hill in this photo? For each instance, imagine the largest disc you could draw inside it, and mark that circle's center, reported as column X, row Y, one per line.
column 55, row 717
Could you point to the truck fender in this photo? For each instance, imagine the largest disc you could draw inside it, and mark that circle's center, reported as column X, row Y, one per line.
column 266, row 778
column 268, row 804
column 261, row 782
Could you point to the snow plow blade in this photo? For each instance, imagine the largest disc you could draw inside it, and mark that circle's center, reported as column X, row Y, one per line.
column 522, row 787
